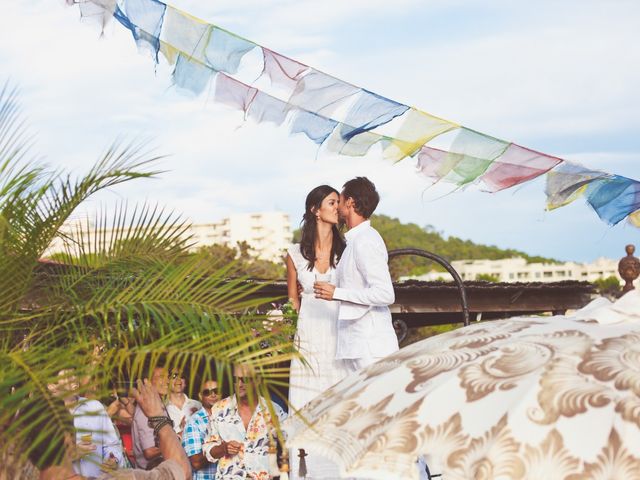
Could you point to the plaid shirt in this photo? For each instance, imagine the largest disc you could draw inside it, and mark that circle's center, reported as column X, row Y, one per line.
column 195, row 433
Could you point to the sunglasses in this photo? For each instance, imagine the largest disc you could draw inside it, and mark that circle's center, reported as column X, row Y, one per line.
column 209, row 391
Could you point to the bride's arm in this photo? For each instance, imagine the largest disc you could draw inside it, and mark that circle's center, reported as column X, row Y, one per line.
column 292, row 284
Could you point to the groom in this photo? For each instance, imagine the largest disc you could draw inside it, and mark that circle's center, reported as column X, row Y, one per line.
column 364, row 288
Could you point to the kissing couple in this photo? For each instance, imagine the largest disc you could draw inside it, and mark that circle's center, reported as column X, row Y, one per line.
column 344, row 321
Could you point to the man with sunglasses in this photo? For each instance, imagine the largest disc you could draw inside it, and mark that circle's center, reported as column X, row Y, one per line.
column 196, row 432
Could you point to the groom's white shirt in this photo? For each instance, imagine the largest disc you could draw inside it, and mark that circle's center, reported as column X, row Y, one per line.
column 365, row 291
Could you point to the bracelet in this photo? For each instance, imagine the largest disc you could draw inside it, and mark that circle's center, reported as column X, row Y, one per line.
column 156, row 423
column 151, row 421
column 159, row 425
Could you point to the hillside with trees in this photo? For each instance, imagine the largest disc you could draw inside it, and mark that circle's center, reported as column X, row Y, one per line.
column 410, row 235
column 400, row 235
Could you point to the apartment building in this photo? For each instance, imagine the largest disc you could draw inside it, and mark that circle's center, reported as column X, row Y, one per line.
column 268, row 234
column 518, row 270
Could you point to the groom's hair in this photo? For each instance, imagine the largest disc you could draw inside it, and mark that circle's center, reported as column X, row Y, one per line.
column 364, row 194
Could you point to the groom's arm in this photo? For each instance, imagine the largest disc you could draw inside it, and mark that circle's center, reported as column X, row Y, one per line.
column 371, row 260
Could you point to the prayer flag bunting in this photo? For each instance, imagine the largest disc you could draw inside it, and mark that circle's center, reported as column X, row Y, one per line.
column 282, row 71
column 234, row 93
column 144, row 19
column 185, row 33
column 567, row 182
column 415, row 129
column 321, row 93
column 314, row 126
column 266, row 108
column 452, row 167
column 225, row 50
column 191, row 75
column 100, row 10
column 517, row 165
column 350, row 120
column 370, row 111
column 613, row 198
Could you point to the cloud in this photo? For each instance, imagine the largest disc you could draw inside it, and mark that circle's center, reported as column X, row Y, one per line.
column 548, row 78
column 534, row 73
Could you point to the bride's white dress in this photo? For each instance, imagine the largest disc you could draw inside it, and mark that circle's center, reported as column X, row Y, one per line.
column 316, row 341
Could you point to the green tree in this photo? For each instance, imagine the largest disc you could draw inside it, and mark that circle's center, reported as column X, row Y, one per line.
column 118, row 302
column 240, row 262
column 487, row 277
column 216, row 256
column 608, row 286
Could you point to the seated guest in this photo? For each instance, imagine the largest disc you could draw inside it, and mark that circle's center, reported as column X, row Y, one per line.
column 53, row 457
column 196, row 432
column 179, row 406
column 97, row 444
column 145, row 450
column 242, row 430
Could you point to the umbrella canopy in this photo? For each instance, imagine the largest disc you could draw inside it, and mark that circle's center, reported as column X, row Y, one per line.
column 529, row 397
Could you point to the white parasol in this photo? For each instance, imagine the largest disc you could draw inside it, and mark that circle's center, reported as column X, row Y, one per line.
column 529, row 397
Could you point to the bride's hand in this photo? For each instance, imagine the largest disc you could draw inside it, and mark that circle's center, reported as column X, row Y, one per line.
column 324, row 290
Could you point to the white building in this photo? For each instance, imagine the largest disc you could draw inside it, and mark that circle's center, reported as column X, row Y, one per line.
column 268, row 234
column 518, row 270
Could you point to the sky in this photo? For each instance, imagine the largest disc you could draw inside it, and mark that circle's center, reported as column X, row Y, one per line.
column 560, row 77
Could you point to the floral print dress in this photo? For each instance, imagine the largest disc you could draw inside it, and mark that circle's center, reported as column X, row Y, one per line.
column 226, row 424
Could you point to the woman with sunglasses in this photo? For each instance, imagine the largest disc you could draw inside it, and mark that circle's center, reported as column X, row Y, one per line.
column 179, row 406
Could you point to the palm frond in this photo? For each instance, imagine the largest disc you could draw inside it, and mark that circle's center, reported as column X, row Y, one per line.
column 124, row 296
column 144, row 232
column 38, row 206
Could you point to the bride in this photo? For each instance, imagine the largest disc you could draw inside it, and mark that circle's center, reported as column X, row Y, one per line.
column 315, row 258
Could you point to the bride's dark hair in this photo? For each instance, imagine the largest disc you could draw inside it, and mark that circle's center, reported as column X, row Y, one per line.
column 310, row 227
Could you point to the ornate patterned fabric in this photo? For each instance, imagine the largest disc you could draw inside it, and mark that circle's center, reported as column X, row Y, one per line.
column 522, row 398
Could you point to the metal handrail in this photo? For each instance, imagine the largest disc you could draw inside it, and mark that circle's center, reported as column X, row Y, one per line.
column 447, row 266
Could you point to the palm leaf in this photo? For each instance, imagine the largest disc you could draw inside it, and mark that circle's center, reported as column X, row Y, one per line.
column 125, row 296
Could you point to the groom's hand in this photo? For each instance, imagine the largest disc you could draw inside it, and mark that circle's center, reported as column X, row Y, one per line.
column 324, row 290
